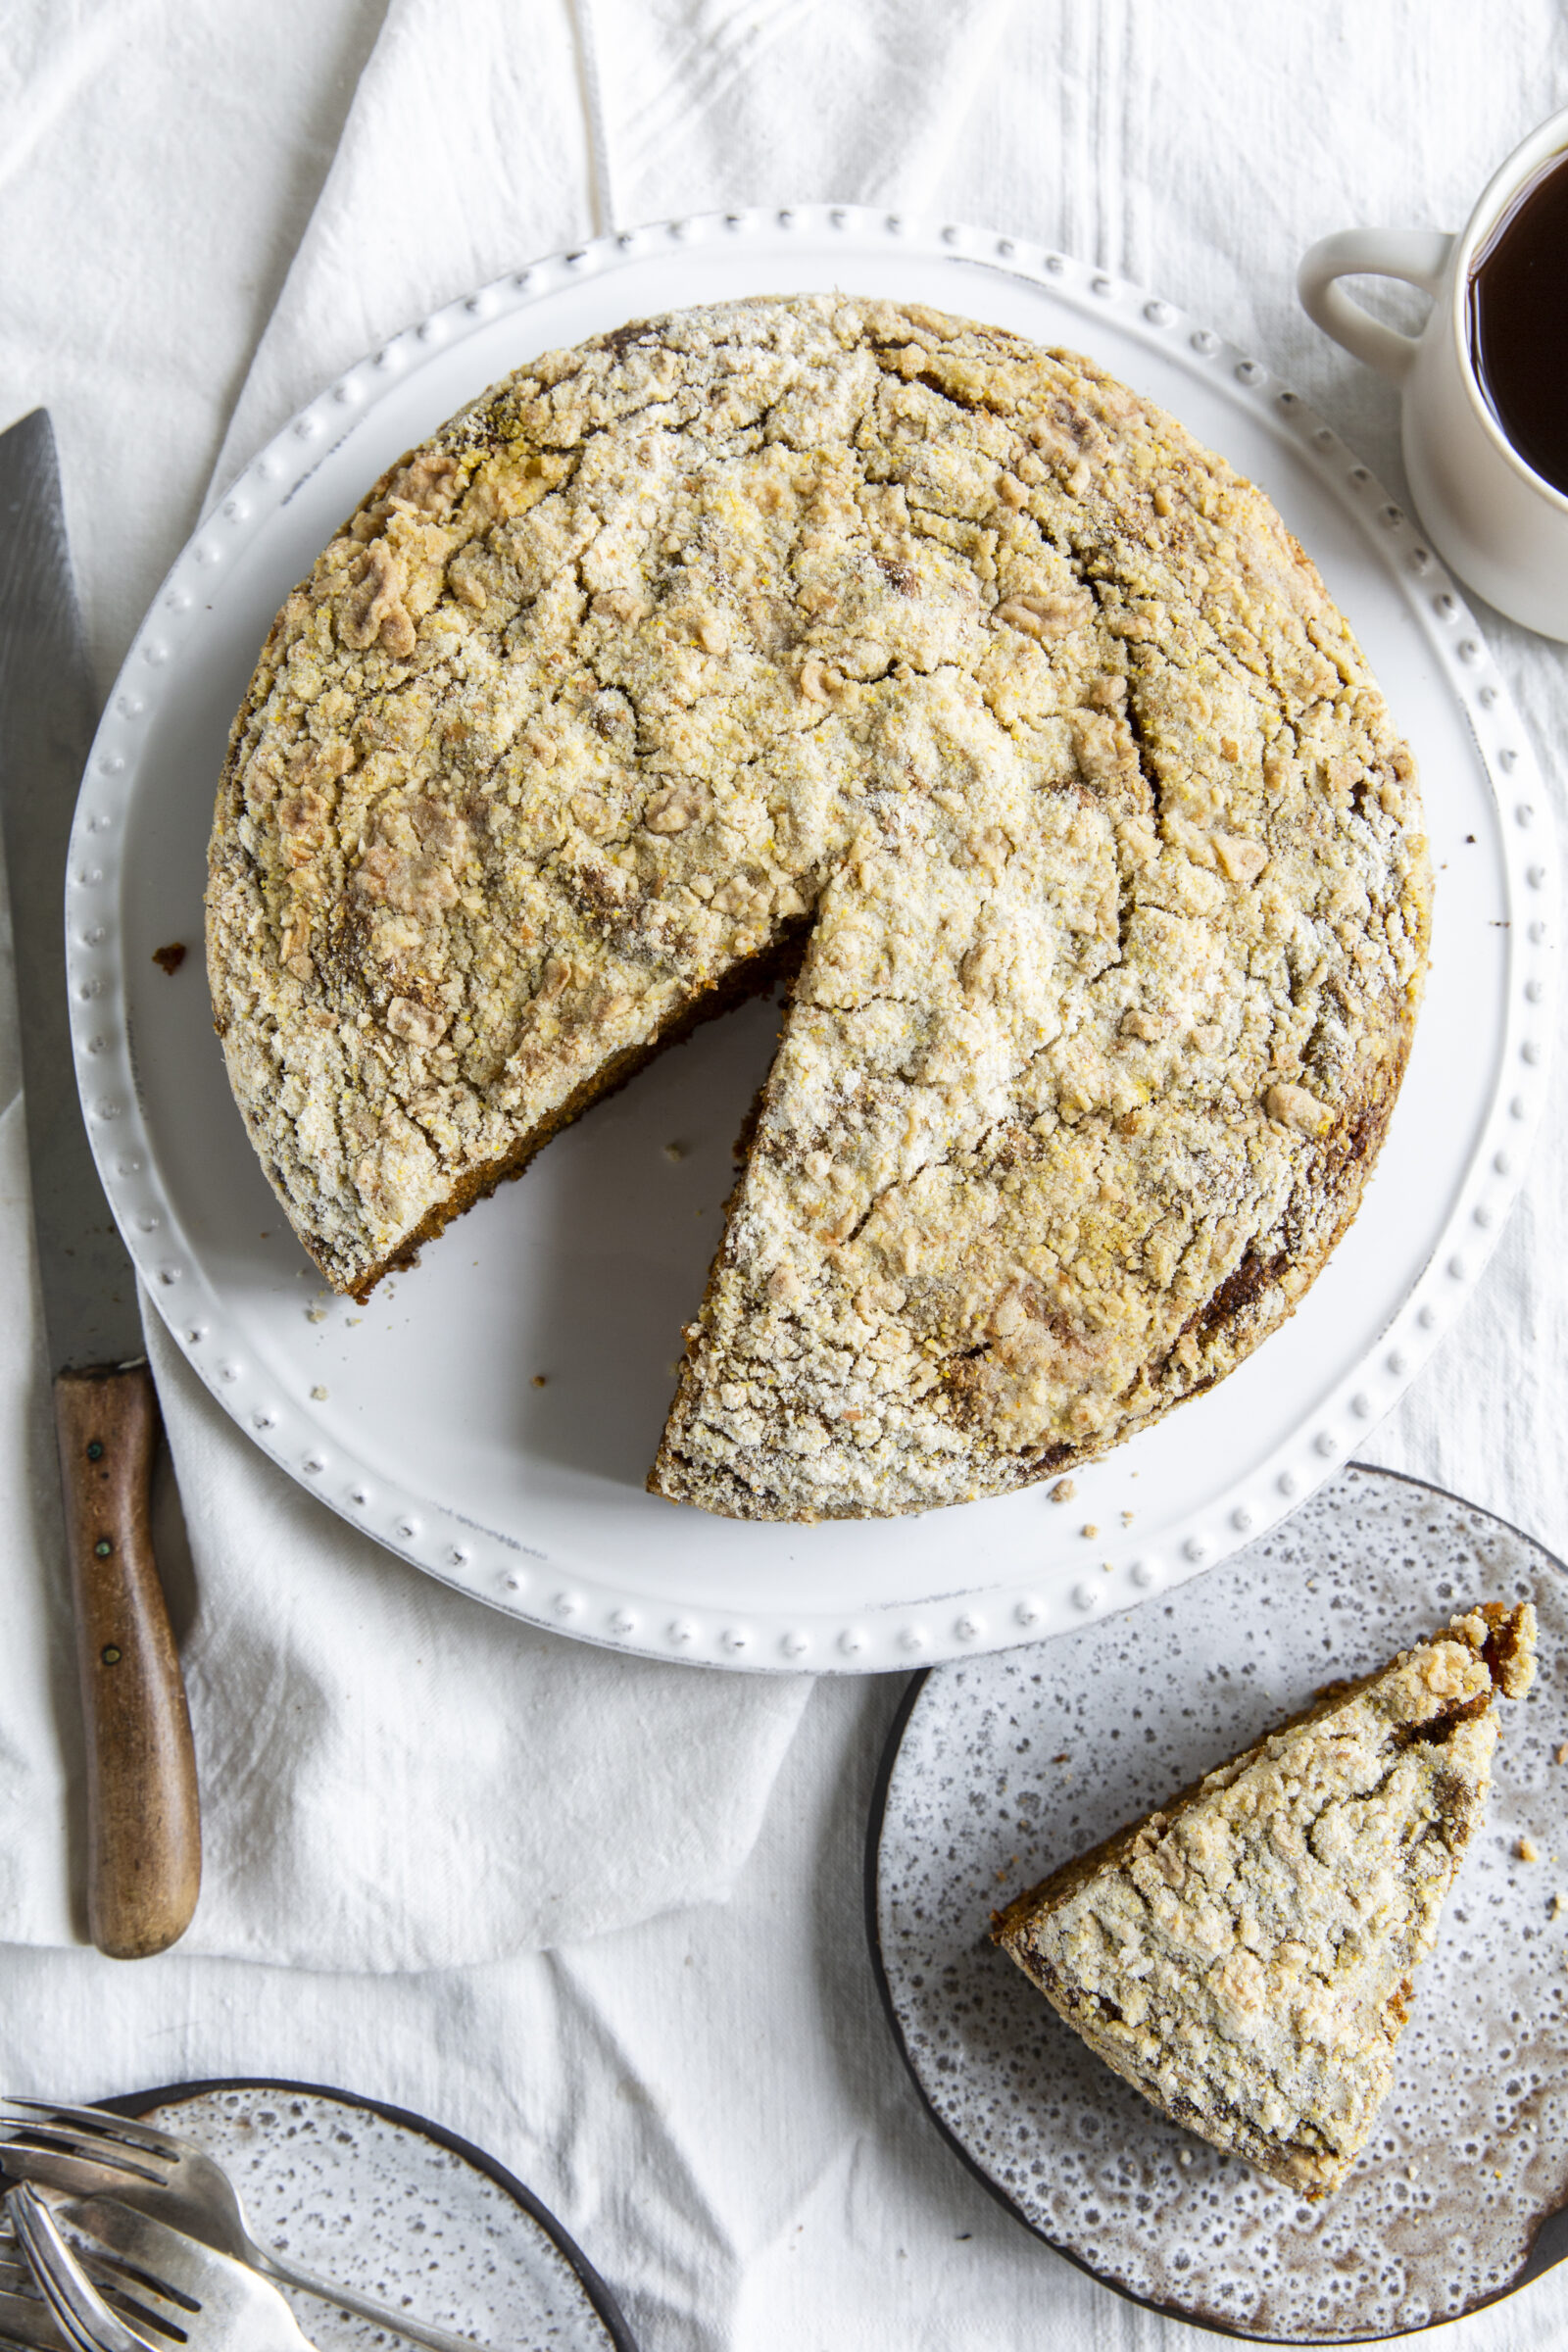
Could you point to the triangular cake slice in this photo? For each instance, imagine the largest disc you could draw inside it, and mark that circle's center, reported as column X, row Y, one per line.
column 1245, row 1956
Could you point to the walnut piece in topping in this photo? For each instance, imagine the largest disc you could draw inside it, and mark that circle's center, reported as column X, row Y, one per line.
column 374, row 612
column 1293, row 1106
column 673, row 810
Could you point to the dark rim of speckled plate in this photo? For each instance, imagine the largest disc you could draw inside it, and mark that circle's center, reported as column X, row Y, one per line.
column 1548, row 2247
column 136, row 2104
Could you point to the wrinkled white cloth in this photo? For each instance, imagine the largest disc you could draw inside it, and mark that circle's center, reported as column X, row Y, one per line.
column 711, row 2099
column 392, row 1779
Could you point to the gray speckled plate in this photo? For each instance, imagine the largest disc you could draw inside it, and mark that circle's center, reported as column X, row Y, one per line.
column 398, row 2208
column 1000, row 1768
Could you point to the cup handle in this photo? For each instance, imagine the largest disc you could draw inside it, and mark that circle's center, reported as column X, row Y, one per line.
column 1418, row 256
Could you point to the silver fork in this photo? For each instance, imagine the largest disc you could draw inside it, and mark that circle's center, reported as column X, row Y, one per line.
column 25, row 2317
column 90, row 2153
column 83, row 2317
column 176, row 2293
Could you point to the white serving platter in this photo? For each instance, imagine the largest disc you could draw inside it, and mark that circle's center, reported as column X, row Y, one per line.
column 420, row 1416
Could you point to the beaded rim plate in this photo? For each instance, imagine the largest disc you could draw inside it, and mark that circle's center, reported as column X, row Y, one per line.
column 491, row 1414
column 999, row 1769
column 557, row 2269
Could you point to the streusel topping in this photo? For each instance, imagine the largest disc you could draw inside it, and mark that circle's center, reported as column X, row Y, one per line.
column 847, row 625
column 1246, row 1956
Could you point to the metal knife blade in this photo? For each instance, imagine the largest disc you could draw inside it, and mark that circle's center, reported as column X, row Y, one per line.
column 144, row 1851
column 47, row 715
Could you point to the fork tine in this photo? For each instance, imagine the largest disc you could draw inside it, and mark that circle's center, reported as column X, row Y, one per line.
column 111, row 2243
column 51, row 2166
column 90, row 2130
column 138, row 2298
column 25, row 2317
column 64, row 2323
column 69, row 2329
column 29, row 2321
column 133, row 2290
column 84, row 2316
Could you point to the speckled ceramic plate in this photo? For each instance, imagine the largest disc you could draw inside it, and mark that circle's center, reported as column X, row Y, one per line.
column 420, row 1416
column 1001, row 1768
column 396, row 2208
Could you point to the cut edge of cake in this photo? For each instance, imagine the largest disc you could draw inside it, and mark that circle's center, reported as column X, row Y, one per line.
column 1429, row 1717
column 367, row 1101
column 772, row 966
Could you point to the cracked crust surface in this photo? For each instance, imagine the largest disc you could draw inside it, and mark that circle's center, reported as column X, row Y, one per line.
column 949, row 654
column 1244, row 1955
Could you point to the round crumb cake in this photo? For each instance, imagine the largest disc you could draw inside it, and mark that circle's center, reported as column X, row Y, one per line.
column 944, row 674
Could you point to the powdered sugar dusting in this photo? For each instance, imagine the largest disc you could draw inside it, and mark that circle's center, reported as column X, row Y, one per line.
column 1010, row 1764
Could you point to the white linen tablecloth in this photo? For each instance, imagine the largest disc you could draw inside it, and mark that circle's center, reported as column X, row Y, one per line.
column 207, row 212
column 391, row 1777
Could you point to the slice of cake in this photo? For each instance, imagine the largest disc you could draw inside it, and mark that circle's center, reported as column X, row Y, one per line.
column 1243, row 1958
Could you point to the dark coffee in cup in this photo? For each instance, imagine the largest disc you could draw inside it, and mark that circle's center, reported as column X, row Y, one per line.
column 1518, row 304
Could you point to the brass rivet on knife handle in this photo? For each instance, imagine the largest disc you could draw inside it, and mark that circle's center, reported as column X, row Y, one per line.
column 144, row 1862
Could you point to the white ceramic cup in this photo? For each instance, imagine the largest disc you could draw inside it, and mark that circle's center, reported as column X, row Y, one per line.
column 1495, row 519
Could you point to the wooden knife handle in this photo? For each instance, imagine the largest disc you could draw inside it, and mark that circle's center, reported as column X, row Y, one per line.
column 144, row 1853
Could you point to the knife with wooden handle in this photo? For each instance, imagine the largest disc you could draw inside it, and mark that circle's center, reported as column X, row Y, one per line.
column 143, row 1824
